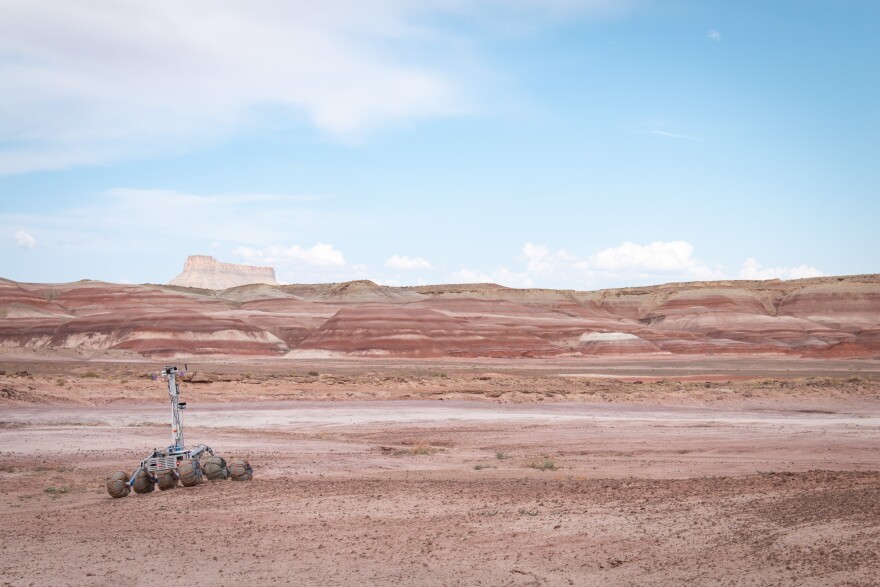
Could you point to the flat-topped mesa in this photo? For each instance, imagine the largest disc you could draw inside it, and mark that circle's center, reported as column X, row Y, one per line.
column 207, row 272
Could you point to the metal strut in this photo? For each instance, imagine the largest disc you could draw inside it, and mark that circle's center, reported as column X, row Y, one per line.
column 176, row 417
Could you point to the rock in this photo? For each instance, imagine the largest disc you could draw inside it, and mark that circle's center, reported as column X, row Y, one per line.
column 206, row 272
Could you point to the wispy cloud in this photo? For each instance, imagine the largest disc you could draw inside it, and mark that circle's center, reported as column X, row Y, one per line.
column 673, row 135
column 24, row 240
column 714, row 35
column 155, row 229
column 85, row 82
column 406, row 263
column 127, row 219
column 80, row 80
column 318, row 255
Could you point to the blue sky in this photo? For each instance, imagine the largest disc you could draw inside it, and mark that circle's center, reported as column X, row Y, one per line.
column 557, row 143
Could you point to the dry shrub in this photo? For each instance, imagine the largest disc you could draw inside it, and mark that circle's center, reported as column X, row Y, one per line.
column 419, row 449
column 542, row 463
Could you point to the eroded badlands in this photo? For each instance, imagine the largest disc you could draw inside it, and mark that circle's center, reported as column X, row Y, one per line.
column 819, row 317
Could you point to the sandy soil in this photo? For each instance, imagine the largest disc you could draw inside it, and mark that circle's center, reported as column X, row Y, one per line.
column 686, row 381
column 769, row 481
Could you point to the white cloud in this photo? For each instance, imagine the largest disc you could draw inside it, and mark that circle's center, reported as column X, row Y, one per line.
column 168, row 225
column 751, row 269
column 674, row 257
column 626, row 264
column 714, row 35
column 215, row 246
column 657, row 256
column 24, row 240
column 80, row 80
column 539, row 258
column 501, row 276
column 319, row 255
column 405, row 263
column 85, row 82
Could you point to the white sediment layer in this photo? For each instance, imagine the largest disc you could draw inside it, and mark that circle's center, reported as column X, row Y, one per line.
column 607, row 336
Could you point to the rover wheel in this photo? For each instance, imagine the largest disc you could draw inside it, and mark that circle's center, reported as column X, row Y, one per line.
column 240, row 470
column 117, row 485
column 215, row 468
column 190, row 473
column 166, row 480
column 143, row 483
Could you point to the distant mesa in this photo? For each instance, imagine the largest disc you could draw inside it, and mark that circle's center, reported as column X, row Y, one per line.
column 207, row 272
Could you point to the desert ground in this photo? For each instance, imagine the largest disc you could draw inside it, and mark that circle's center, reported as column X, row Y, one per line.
column 597, row 472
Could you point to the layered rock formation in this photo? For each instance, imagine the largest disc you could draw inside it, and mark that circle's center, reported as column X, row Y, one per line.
column 819, row 317
column 204, row 272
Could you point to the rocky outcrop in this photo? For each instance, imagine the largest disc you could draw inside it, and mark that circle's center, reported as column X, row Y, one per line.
column 204, row 272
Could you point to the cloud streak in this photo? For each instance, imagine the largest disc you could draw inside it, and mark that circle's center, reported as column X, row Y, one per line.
column 673, row 135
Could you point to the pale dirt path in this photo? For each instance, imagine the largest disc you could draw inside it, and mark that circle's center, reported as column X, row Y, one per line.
column 587, row 439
